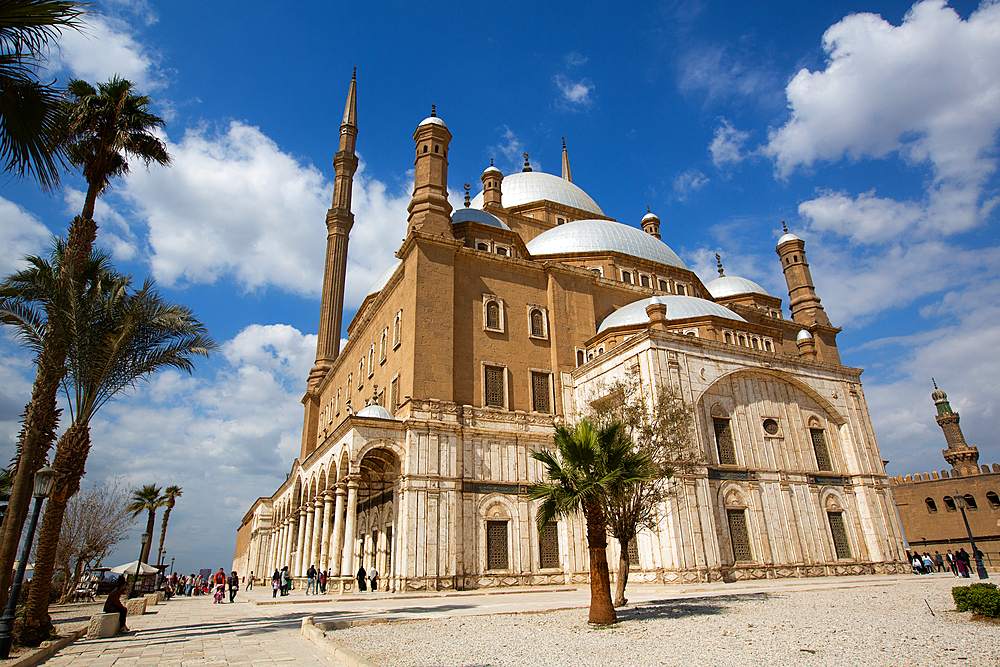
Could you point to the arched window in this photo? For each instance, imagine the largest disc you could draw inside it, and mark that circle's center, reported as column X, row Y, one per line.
column 483, row 246
column 396, row 324
column 993, row 499
column 548, row 545
column 743, row 340
column 492, row 315
column 627, row 277
column 949, row 504
column 361, row 373
column 729, row 337
column 537, row 323
column 970, row 502
column 822, row 452
column 931, row 505
column 723, row 436
column 371, row 360
column 382, row 344
column 768, row 347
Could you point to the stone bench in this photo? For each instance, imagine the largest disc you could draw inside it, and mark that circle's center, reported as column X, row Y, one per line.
column 103, row 625
column 136, row 606
column 152, row 599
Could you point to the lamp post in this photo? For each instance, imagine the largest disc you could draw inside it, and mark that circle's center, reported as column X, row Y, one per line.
column 44, row 478
column 138, row 562
column 171, row 566
column 980, row 568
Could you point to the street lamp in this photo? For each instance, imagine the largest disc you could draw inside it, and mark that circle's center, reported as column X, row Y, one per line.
column 138, row 562
column 44, row 478
column 980, row 568
column 171, row 566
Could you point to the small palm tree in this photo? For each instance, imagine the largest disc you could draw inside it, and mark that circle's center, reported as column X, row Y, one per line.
column 28, row 108
column 147, row 499
column 172, row 493
column 589, row 466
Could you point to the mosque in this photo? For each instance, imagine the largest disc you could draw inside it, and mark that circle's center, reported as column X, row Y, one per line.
column 512, row 314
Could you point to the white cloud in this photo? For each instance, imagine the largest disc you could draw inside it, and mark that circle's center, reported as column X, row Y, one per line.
column 713, row 72
column 511, row 150
column 574, row 94
column 924, row 90
column 21, row 234
column 689, row 182
column 727, row 144
column 232, row 203
column 574, row 59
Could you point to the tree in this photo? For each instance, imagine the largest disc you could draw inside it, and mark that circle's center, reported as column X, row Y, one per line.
column 662, row 428
column 96, row 520
column 587, row 467
column 100, row 129
column 147, row 499
column 116, row 340
column 29, row 109
column 172, row 493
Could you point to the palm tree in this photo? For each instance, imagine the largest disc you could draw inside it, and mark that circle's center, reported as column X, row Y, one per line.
column 588, row 466
column 28, row 108
column 147, row 499
column 172, row 493
column 116, row 340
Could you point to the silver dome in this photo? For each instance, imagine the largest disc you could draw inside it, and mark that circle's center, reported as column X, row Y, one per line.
column 678, row 308
column 603, row 235
column 788, row 236
column 524, row 187
column 375, row 410
column 432, row 120
column 725, row 286
column 476, row 215
column 384, row 278
column 803, row 335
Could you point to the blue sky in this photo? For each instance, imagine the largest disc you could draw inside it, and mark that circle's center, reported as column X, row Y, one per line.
column 870, row 127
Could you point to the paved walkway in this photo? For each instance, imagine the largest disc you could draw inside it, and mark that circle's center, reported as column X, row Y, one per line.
column 193, row 631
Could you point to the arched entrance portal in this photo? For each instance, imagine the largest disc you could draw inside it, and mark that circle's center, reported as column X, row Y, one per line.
column 378, row 488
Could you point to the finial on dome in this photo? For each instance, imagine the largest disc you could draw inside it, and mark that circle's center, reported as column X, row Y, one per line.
column 468, row 202
column 934, row 382
column 354, row 75
column 491, row 162
column 647, row 209
column 527, row 165
column 784, row 227
column 434, row 111
column 564, row 143
column 718, row 260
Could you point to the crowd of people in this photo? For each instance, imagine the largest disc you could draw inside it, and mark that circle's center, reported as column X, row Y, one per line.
column 316, row 580
column 960, row 562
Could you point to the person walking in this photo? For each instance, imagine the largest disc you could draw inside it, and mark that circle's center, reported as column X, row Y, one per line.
column 951, row 563
column 286, row 581
column 250, row 582
column 373, row 577
column 362, row 587
column 114, row 603
column 311, row 580
column 928, row 564
column 275, row 583
column 322, row 582
column 234, row 586
column 963, row 563
column 939, row 561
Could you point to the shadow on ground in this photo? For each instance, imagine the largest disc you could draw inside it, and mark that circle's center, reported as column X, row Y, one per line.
column 707, row 606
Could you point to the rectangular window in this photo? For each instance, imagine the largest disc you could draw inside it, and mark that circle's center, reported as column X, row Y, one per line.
column 724, row 441
column 371, row 360
column 388, row 551
column 627, row 277
column 494, row 386
column 396, row 324
column 682, row 290
column 819, row 446
column 739, row 535
column 644, row 280
column 394, row 395
column 548, row 546
column 840, row 543
column 664, row 286
column 540, row 392
column 496, row 545
column 383, row 344
column 633, row 553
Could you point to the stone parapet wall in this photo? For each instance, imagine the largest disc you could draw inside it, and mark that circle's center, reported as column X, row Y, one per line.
column 944, row 474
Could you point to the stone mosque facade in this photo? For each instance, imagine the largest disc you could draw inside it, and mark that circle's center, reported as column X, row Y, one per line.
column 510, row 315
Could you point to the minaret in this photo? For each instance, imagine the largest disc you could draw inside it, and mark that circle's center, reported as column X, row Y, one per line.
column 959, row 454
column 339, row 221
column 567, row 176
column 429, row 208
column 492, row 193
column 803, row 303
column 651, row 224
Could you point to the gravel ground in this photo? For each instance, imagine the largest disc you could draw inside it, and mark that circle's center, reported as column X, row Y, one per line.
column 872, row 625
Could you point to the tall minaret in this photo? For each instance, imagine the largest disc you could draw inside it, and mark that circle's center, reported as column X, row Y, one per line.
column 429, row 208
column 803, row 303
column 339, row 221
column 959, row 454
column 565, row 164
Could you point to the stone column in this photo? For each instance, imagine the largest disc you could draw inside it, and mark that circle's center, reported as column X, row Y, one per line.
column 285, row 556
column 324, row 547
column 348, row 560
column 301, row 542
column 317, row 541
column 306, row 559
column 337, row 552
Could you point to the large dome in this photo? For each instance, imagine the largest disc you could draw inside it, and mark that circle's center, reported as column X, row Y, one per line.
column 384, row 278
column 724, row 286
column 524, row 187
column 603, row 235
column 678, row 308
column 476, row 215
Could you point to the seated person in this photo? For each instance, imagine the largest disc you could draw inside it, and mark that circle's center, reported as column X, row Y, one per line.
column 114, row 603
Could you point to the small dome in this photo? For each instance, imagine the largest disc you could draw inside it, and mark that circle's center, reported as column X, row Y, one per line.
column 678, row 308
column 524, row 187
column 476, row 215
column 725, row 286
column 803, row 335
column 384, row 278
column 788, row 236
column 938, row 395
column 432, row 120
column 376, row 411
column 492, row 170
column 650, row 216
column 603, row 236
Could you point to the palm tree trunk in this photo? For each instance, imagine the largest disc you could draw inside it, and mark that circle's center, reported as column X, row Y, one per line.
column 163, row 533
column 74, row 581
column 602, row 611
column 37, row 435
column 69, row 463
column 622, row 579
column 93, row 191
column 150, row 525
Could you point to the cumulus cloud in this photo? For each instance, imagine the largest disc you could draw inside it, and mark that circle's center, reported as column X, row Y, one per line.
column 727, row 144
column 924, row 91
column 573, row 94
column 716, row 74
column 511, row 151
column 233, row 204
column 689, row 182
column 21, row 233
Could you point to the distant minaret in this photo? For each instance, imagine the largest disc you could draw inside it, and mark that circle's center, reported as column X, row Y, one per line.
column 803, row 303
column 429, row 210
column 565, row 164
column 492, row 192
column 959, row 454
column 651, row 224
column 339, row 221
